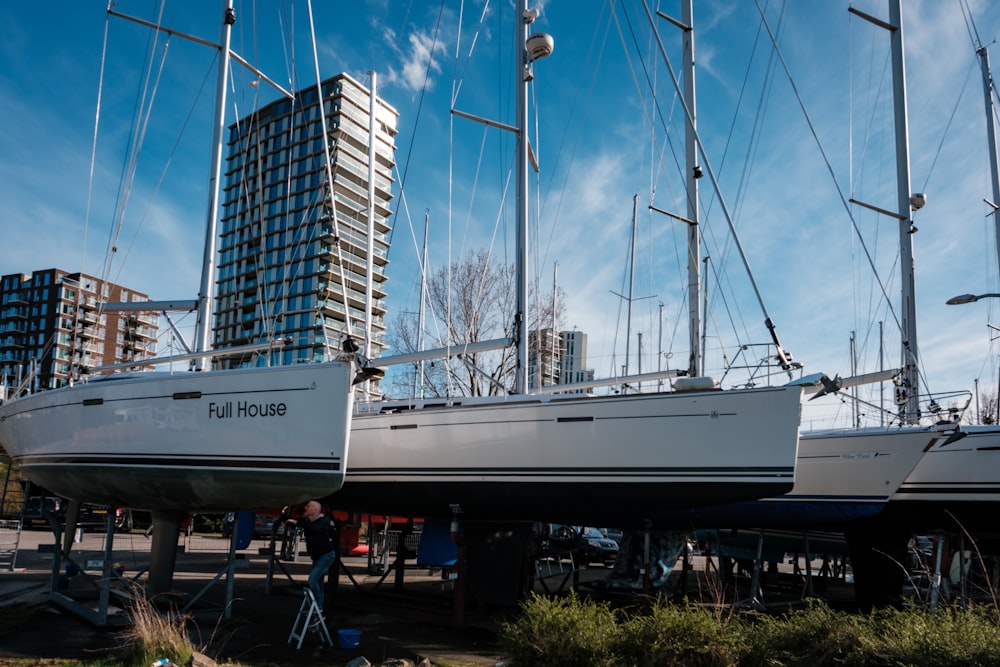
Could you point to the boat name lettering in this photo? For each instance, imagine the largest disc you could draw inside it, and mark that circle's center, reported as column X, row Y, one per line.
column 245, row 409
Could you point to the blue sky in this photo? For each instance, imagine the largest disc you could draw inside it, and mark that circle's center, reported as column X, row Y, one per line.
column 600, row 140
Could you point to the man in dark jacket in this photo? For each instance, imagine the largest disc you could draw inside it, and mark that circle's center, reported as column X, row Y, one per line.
column 316, row 528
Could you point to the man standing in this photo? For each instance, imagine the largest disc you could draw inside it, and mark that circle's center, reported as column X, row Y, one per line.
column 322, row 551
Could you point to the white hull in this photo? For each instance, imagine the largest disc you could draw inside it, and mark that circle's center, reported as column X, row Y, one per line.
column 840, row 476
column 216, row 440
column 573, row 458
column 955, row 481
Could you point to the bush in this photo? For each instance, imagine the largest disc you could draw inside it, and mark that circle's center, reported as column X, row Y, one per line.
column 555, row 632
column 680, row 635
column 927, row 638
column 807, row 637
column 576, row 631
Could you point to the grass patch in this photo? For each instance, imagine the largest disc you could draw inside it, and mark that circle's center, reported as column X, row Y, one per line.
column 573, row 630
column 153, row 635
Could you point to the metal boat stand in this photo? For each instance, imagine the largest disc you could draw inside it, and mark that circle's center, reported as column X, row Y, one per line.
column 756, row 599
column 234, row 562
column 104, row 613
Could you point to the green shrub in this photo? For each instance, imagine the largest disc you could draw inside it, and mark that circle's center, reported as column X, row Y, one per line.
column 807, row 637
column 928, row 638
column 564, row 631
column 679, row 635
column 575, row 631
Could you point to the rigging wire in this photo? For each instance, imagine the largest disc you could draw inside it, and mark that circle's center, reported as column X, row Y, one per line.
column 707, row 167
column 144, row 104
column 826, row 160
column 416, row 118
column 348, row 324
column 93, row 148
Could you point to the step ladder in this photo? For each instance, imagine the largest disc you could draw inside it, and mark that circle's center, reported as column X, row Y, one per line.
column 310, row 617
column 10, row 538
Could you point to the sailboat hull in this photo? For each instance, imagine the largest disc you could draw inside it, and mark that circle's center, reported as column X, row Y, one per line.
column 841, row 476
column 217, row 440
column 619, row 460
column 956, row 484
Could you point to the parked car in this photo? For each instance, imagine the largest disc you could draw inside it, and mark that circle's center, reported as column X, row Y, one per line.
column 588, row 545
column 264, row 523
column 31, row 513
column 95, row 517
column 615, row 534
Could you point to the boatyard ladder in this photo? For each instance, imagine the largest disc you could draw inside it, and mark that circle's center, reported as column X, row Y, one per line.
column 310, row 617
column 10, row 538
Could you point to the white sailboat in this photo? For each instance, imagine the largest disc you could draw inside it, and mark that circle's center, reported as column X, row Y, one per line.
column 626, row 459
column 910, row 476
column 190, row 441
column 957, row 483
column 840, row 476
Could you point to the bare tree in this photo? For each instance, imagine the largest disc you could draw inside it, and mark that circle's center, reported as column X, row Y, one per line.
column 470, row 301
column 987, row 407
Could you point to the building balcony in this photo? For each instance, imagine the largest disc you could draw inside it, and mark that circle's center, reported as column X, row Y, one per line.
column 149, row 319
column 141, row 333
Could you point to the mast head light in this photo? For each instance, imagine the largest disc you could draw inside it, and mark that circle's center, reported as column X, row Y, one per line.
column 917, row 201
column 539, row 45
column 530, row 15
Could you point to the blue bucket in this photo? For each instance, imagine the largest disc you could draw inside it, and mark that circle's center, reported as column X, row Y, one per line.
column 348, row 638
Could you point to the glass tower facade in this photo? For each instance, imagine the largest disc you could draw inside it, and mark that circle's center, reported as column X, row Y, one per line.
column 294, row 248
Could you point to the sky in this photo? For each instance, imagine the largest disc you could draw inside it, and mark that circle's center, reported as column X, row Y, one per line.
column 790, row 134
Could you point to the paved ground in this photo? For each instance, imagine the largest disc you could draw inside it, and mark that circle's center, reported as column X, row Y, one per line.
column 416, row 622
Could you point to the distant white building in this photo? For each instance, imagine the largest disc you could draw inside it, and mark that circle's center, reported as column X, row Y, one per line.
column 558, row 359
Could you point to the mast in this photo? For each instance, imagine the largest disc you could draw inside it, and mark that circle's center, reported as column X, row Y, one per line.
column 521, row 260
column 695, row 362
column 631, row 284
column 420, row 314
column 908, row 393
column 203, row 324
column 991, row 138
column 531, row 49
column 911, row 377
column 370, row 273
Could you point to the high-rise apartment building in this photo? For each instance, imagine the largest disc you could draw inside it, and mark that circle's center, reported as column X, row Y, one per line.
column 557, row 358
column 573, row 362
column 293, row 262
column 52, row 327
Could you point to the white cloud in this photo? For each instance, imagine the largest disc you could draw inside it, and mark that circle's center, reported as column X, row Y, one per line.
column 419, row 64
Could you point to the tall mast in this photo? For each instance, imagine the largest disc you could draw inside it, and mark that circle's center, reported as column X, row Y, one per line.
column 911, row 376
column 418, row 389
column 203, row 324
column 908, row 393
column 531, row 49
column 991, row 137
column 695, row 361
column 631, row 285
column 521, row 261
column 370, row 272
